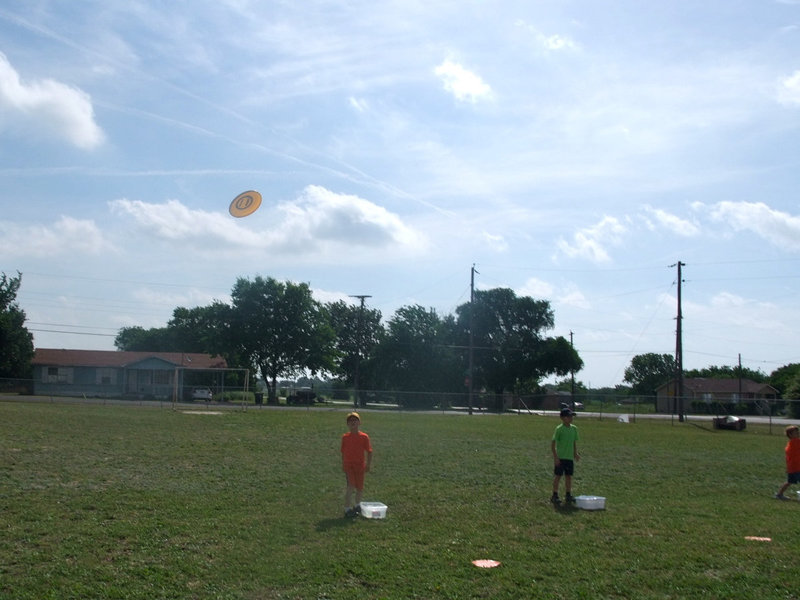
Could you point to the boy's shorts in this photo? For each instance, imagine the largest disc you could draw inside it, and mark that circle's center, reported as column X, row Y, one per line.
column 355, row 476
column 565, row 467
column 793, row 477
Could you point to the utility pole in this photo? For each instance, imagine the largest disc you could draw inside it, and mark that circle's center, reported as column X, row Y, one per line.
column 361, row 297
column 679, row 349
column 572, row 374
column 740, row 377
column 471, row 322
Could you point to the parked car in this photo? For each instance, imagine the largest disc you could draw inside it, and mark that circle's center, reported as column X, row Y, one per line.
column 575, row 405
column 302, row 396
column 202, row 393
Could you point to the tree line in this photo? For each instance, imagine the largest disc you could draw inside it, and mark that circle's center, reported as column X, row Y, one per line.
column 648, row 371
column 280, row 331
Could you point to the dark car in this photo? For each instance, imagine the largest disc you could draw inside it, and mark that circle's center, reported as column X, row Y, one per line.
column 302, row 396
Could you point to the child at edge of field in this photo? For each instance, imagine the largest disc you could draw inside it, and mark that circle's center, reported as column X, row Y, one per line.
column 792, row 451
column 355, row 447
column 565, row 452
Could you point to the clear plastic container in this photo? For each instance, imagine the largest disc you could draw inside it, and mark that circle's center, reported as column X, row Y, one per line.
column 373, row 510
column 591, row 502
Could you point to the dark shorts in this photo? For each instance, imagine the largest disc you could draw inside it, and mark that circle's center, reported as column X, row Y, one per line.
column 793, row 477
column 566, row 467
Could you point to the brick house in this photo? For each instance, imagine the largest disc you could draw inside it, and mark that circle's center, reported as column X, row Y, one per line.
column 112, row 374
column 713, row 391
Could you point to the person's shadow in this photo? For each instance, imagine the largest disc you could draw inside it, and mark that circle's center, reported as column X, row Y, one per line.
column 328, row 524
column 565, row 508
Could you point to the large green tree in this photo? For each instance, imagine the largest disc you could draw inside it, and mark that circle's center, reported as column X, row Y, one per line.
column 785, row 378
column 416, row 354
column 358, row 331
column 16, row 342
column 139, row 339
column 280, row 329
column 510, row 349
column 726, row 372
column 648, row 371
column 206, row 329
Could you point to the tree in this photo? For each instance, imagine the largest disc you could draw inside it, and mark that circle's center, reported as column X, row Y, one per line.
column 785, row 378
column 416, row 354
column 510, row 350
column 138, row 339
column 357, row 331
column 725, row 372
column 280, row 329
column 16, row 342
column 648, row 371
column 205, row 329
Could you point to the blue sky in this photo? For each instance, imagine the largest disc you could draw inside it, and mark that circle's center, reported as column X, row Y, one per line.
column 571, row 150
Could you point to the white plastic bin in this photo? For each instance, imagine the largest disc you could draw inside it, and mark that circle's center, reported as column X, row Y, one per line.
column 373, row 510
column 591, row 502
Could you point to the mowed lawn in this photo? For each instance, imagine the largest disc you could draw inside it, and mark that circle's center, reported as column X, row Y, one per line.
column 146, row 502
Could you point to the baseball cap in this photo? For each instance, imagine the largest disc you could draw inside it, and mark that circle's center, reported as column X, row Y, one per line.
column 352, row 415
column 566, row 412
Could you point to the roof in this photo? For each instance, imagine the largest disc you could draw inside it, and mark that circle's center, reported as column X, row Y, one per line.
column 722, row 386
column 111, row 358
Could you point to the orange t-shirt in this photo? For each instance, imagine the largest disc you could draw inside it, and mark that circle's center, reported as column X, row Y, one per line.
column 354, row 446
column 793, row 456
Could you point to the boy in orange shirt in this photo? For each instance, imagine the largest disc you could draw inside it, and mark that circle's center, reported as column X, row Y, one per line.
column 792, row 460
column 355, row 445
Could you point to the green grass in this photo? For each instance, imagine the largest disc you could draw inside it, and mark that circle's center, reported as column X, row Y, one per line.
column 139, row 502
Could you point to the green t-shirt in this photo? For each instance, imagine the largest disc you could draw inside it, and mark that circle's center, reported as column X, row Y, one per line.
column 565, row 438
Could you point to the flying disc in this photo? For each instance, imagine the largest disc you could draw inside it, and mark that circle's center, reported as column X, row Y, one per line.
column 245, row 204
column 486, row 563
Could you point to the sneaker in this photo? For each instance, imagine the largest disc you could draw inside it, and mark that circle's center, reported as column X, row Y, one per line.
column 570, row 499
column 349, row 512
column 781, row 497
column 555, row 499
column 356, row 510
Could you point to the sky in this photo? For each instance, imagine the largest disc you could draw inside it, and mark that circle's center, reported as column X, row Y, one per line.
column 571, row 150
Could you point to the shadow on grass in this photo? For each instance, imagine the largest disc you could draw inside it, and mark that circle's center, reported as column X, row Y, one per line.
column 565, row 509
column 328, row 524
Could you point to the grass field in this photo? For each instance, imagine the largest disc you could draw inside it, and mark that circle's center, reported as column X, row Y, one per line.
column 139, row 502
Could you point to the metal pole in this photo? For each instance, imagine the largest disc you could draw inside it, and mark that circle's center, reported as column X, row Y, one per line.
column 471, row 322
column 361, row 297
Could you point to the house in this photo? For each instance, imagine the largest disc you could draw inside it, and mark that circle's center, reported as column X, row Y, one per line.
column 712, row 391
column 111, row 374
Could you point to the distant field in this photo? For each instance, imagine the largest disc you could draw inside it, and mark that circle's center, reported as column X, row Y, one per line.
column 144, row 502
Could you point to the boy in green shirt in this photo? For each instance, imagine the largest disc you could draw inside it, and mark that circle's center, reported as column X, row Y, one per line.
column 565, row 452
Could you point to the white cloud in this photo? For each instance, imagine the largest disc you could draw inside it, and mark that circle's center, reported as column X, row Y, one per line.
column 48, row 107
column 572, row 296
column 590, row 243
column 537, row 288
column 462, row 83
column 549, row 43
column 358, row 104
column 191, row 297
column 174, row 221
column 322, row 215
column 496, row 242
column 674, row 223
column 776, row 227
column 789, row 89
column 726, row 309
column 317, row 219
column 64, row 237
